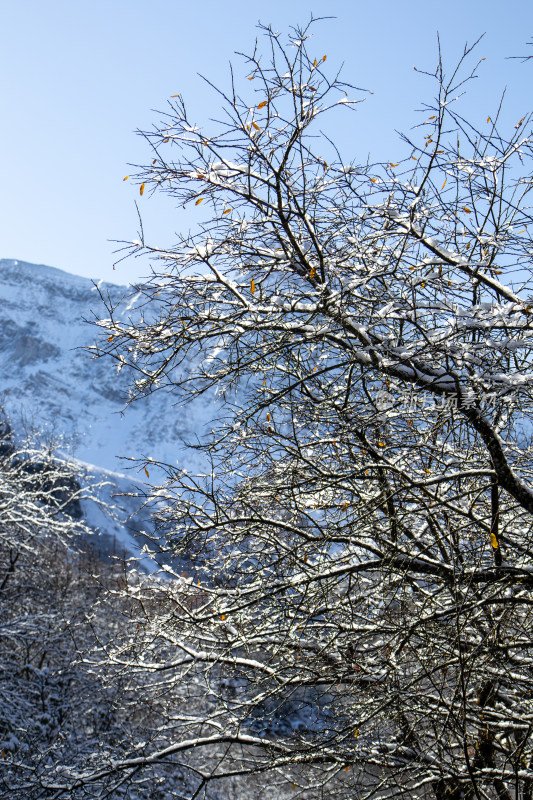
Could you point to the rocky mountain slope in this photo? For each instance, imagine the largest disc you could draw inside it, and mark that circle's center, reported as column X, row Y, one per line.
column 52, row 389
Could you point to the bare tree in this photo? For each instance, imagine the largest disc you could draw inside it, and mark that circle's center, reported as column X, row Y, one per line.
column 54, row 710
column 359, row 616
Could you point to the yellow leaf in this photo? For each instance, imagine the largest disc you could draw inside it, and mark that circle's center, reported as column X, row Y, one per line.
column 141, row 190
column 381, row 444
column 126, row 178
column 153, row 162
column 444, row 184
column 268, row 417
column 252, row 286
column 427, row 470
column 222, row 616
column 347, row 767
column 146, row 472
column 345, row 506
column 394, row 165
column 312, row 272
column 315, row 62
column 174, row 95
column 433, row 117
column 227, row 211
column 324, row 58
column 356, row 733
column 165, row 141
column 488, row 119
column 251, row 77
column 262, row 105
column 198, row 201
column 494, row 541
column 256, row 126
column 422, row 284
column 109, row 338
column 374, row 180
column 467, row 210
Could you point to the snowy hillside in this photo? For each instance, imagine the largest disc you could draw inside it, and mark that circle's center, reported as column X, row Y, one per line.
column 50, row 386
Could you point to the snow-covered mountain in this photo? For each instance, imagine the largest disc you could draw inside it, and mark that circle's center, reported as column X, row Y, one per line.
column 50, row 386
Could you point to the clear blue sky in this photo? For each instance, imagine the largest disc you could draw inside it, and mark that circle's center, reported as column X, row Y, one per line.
column 78, row 78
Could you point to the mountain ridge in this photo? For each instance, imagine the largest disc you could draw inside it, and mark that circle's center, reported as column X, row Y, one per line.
column 53, row 390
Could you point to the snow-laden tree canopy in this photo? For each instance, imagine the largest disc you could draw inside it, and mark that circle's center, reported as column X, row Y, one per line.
column 359, row 611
